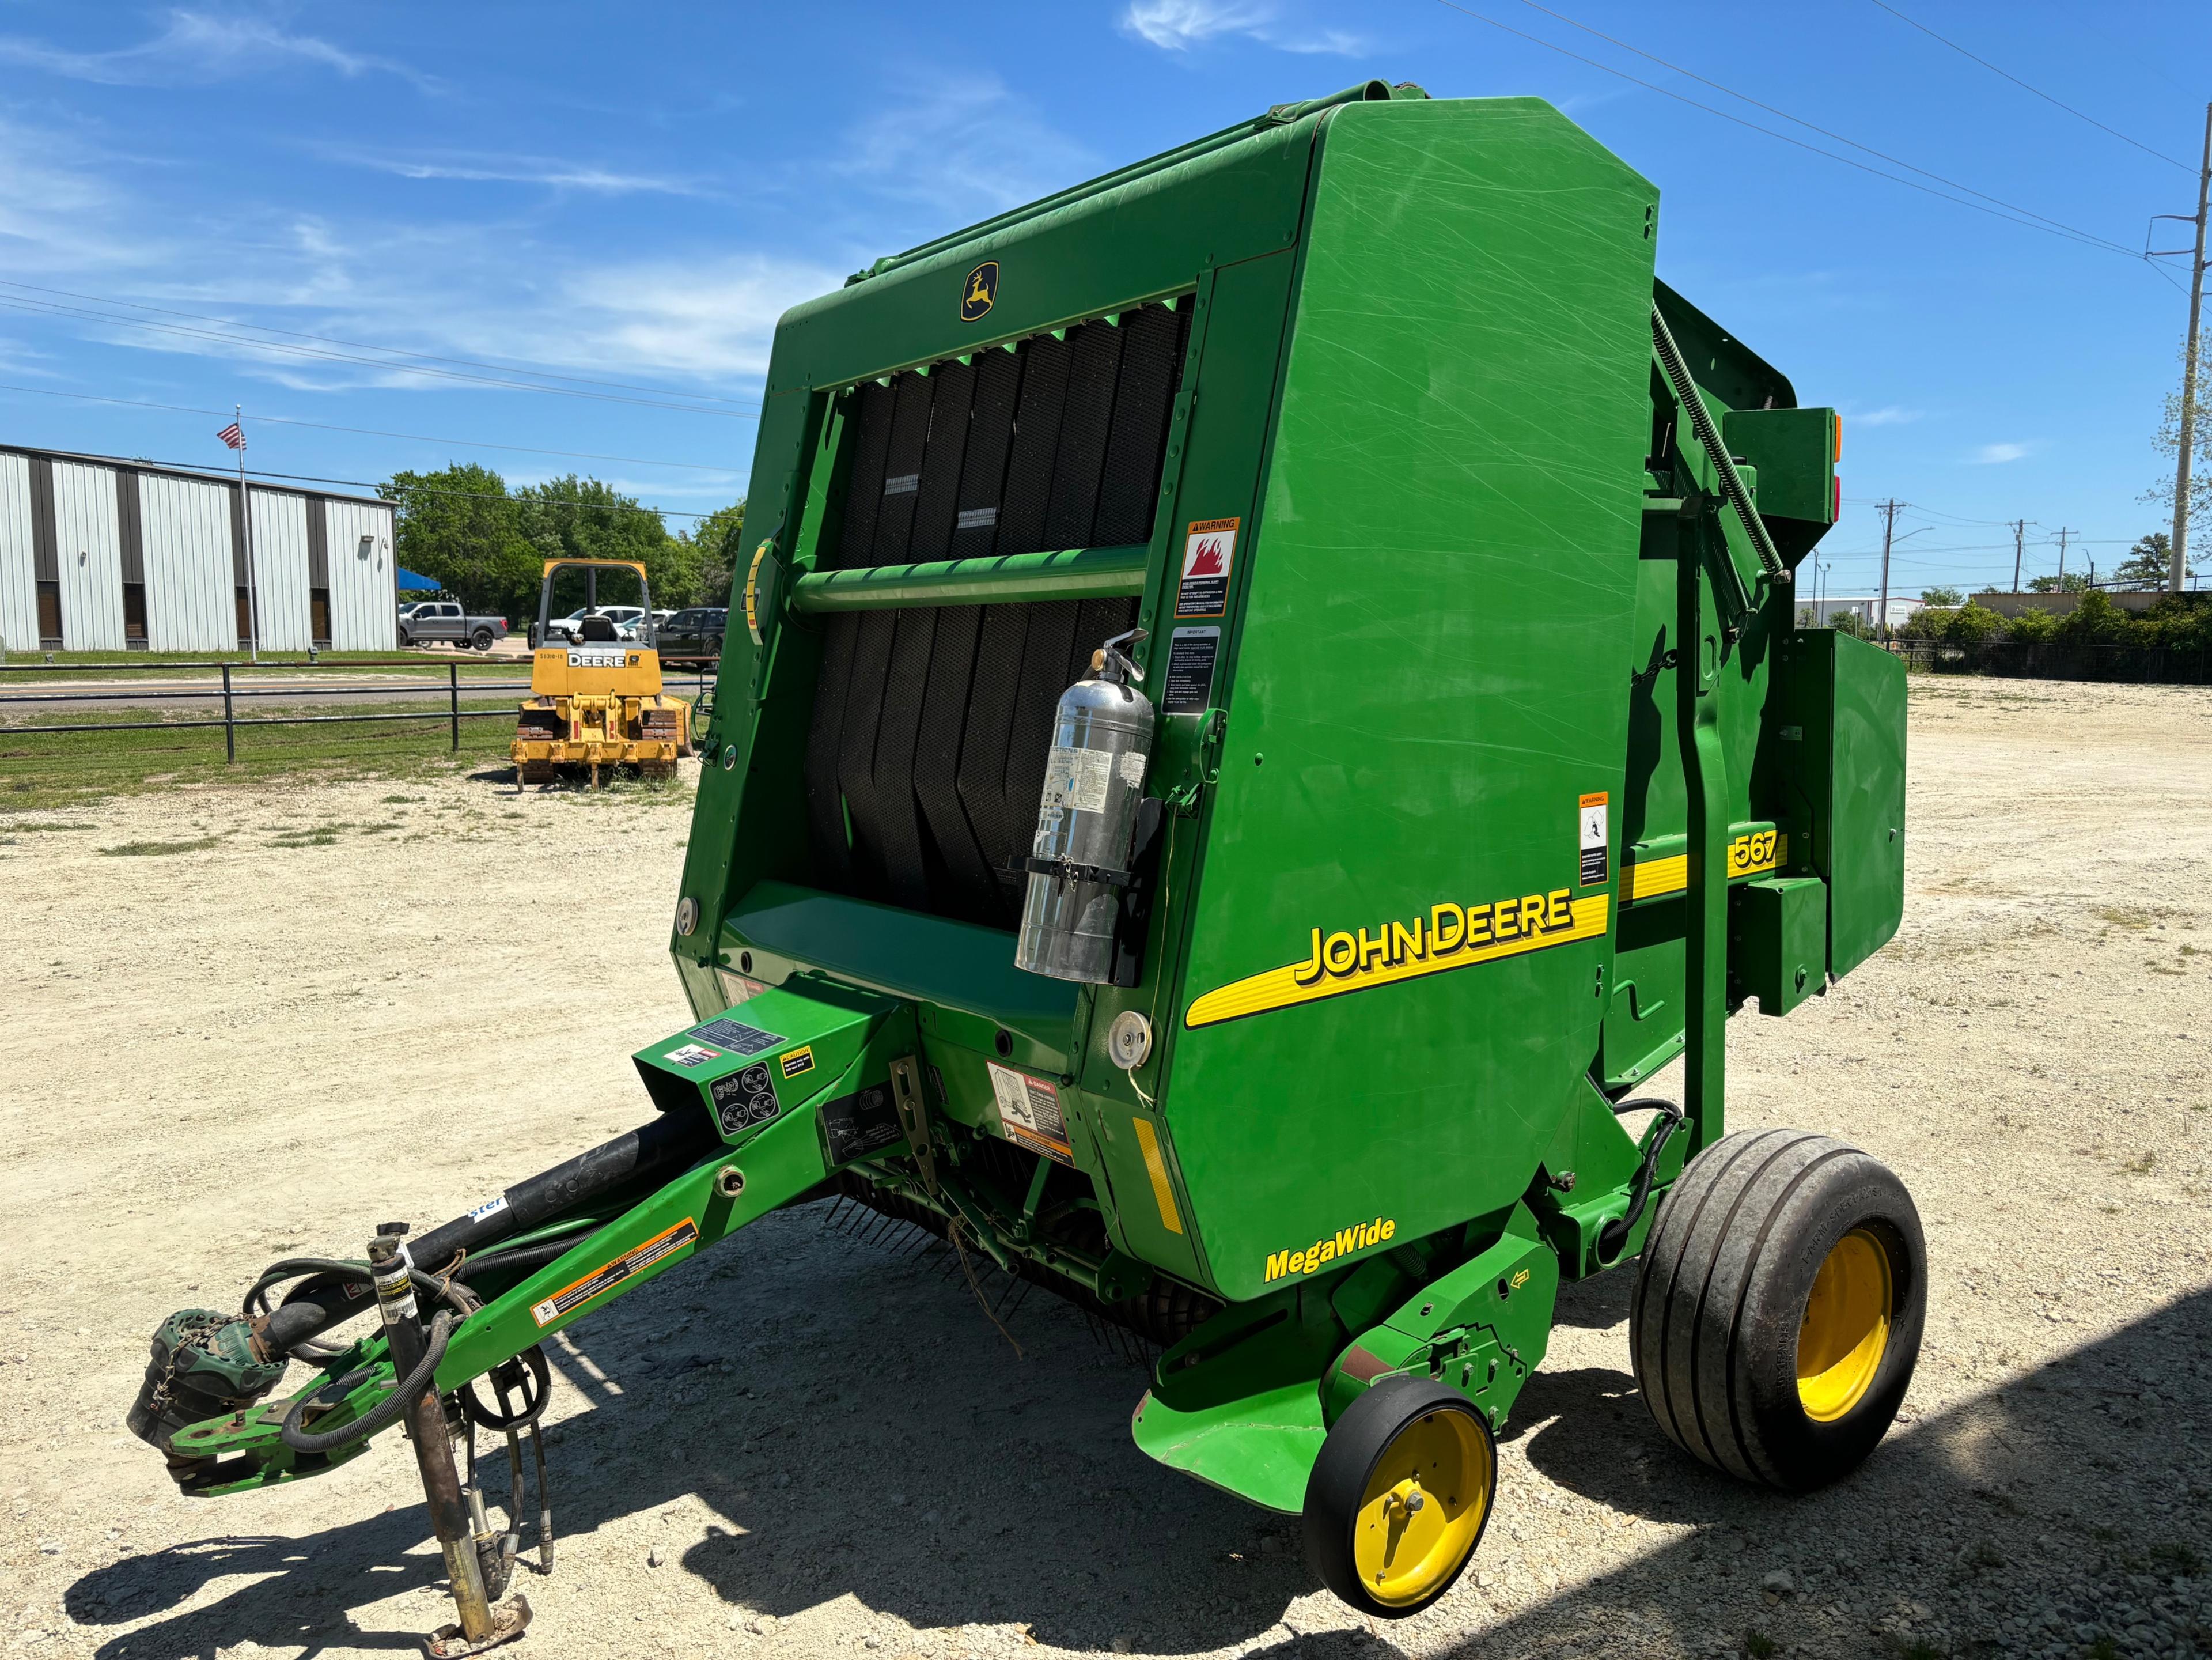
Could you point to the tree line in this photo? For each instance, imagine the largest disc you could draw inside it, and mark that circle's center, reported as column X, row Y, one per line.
column 486, row 545
column 2183, row 621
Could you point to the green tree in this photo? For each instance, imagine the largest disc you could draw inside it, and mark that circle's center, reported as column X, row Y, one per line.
column 459, row 525
column 2147, row 564
column 2168, row 444
column 2074, row 581
column 1972, row 624
column 2031, row 626
column 2096, row 621
column 577, row 518
column 1942, row 596
column 1851, row 623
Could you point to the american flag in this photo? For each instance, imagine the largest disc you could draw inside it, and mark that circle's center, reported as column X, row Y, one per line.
column 235, row 435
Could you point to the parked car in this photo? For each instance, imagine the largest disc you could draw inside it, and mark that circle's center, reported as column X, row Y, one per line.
column 694, row 635
column 425, row 621
column 568, row 630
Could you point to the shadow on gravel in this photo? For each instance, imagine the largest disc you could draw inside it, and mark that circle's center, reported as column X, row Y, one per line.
column 856, row 1426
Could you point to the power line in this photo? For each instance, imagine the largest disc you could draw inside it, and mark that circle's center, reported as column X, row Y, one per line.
column 48, row 309
column 2032, row 221
column 2024, row 87
column 1895, row 160
column 371, row 432
column 358, row 345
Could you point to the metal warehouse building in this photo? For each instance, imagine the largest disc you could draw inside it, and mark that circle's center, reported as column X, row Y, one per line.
column 99, row 554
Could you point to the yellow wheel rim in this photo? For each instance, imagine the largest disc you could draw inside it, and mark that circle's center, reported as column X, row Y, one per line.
column 1846, row 1328
column 1424, row 1507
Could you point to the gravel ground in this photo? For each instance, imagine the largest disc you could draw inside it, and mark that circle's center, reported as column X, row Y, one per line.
column 813, row 1443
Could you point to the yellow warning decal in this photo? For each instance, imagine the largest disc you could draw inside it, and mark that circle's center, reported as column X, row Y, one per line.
column 799, row 1061
column 1156, row 1167
column 1451, row 936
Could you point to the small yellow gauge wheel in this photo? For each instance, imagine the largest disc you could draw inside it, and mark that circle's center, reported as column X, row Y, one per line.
column 1778, row 1310
column 1400, row 1496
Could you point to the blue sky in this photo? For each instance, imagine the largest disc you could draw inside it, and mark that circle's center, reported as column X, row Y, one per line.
column 630, row 195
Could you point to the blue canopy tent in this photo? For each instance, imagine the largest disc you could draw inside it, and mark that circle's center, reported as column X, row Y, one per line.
column 410, row 583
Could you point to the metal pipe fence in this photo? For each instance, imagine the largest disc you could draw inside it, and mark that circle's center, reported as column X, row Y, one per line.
column 2051, row 659
column 226, row 688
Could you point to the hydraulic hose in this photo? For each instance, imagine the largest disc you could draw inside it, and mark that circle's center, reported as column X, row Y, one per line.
column 1614, row 1234
column 385, row 1413
column 291, row 1328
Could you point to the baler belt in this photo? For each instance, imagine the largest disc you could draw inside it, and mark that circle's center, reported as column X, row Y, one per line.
column 926, row 752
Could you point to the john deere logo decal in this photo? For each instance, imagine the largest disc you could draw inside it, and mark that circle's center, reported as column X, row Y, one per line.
column 981, row 288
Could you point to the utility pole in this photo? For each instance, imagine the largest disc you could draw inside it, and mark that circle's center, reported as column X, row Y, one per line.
column 2177, row 562
column 1889, row 525
column 2019, row 534
column 2063, row 532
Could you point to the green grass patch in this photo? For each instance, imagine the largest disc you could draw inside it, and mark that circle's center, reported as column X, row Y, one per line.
column 159, row 849
column 59, row 771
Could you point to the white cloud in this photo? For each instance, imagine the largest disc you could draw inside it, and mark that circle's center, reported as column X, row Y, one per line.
column 1890, row 415
column 196, row 47
column 963, row 145
column 1995, row 454
column 551, row 171
column 1179, row 25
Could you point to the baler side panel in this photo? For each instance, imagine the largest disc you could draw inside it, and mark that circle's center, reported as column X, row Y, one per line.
column 1441, row 591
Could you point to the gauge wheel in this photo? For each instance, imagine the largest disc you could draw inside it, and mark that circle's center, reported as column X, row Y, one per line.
column 1779, row 1305
column 1400, row 1496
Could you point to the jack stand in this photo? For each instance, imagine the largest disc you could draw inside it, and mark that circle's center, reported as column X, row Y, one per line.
column 481, row 1626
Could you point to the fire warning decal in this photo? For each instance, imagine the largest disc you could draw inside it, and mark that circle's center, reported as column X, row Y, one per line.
column 1209, row 551
column 1449, row 936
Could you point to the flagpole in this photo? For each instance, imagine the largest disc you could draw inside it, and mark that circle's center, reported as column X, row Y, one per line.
column 245, row 520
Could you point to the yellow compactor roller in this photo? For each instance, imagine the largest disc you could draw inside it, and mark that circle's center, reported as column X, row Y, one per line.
column 596, row 701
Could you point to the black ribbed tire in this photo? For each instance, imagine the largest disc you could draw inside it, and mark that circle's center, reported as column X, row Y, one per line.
column 1724, row 1321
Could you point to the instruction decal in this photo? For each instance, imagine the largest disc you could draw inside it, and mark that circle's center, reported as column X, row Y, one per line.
column 691, row 1055
column 799, row 1061
column 1209, row 551
column 743, row 1099
column 859, row 1124
column 1029, row 1112
column 1192, row 653
column 737, row 1036
column 1590, row 815
column 1077, row 778
column 631, row 1263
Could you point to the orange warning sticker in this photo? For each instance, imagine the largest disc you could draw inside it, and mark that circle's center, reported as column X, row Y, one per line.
column 1590, row 816
column 631, row 1263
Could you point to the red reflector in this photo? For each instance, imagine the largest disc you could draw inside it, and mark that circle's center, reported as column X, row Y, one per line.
column 1835, row 499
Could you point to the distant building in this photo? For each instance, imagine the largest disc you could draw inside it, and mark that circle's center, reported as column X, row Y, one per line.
column 101, row 554
column 1822, row 613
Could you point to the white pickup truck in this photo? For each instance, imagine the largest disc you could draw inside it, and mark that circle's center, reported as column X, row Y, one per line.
column 422, row 621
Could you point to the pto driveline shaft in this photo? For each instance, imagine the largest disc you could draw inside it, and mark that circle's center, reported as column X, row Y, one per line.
column 672, row 1139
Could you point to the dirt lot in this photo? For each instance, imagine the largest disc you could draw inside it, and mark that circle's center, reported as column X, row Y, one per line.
column 809, row 1444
